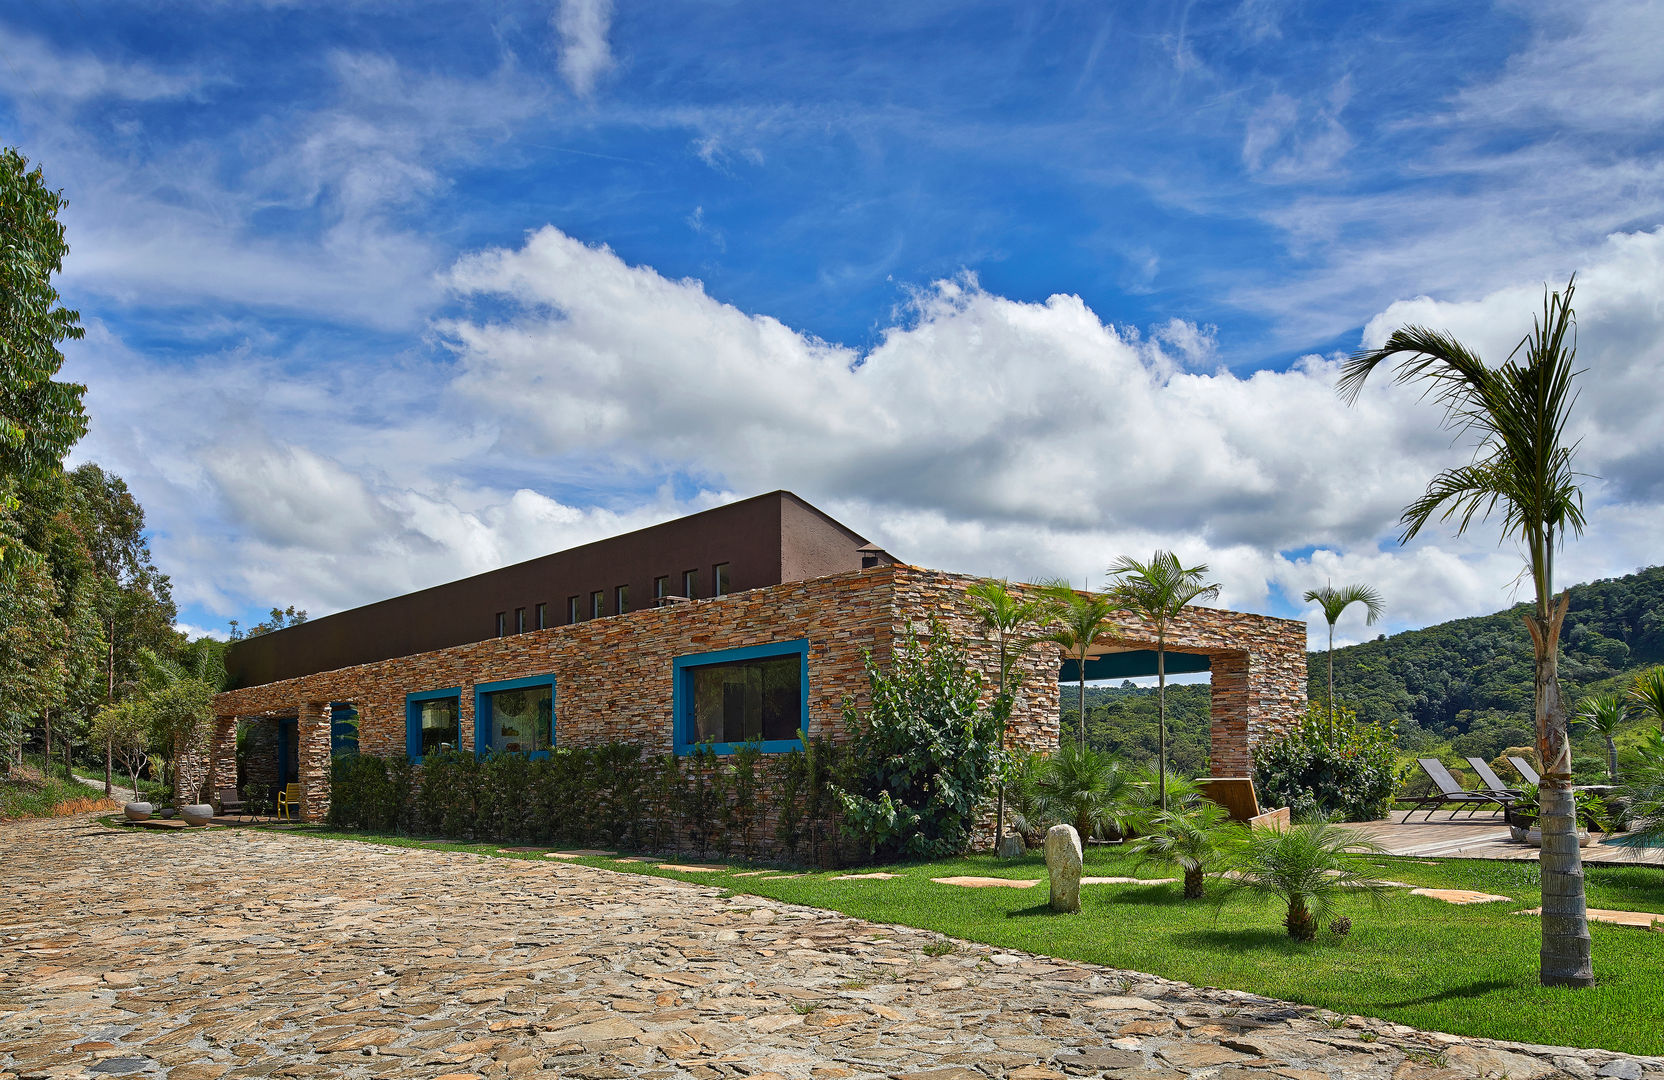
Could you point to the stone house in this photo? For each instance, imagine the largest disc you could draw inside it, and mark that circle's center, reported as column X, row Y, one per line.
column 756, row 621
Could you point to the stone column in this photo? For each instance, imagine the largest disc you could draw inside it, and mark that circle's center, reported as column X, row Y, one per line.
column 222, row 756
column 312, row 731
column 1256, row 696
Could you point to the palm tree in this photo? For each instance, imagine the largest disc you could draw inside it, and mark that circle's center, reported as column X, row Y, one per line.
column 1014, row 623
column 1603, row 714
column 1193, row 838
column 1333, row 601
column 1522, row 469
column 1083, row 620
column 1647, row 691
column 1084, row 787
column 1158, row 590
column 1308, row 866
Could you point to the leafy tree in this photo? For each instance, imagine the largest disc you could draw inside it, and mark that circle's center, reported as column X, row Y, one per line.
column 1522, row 468
column 1158, row 591
column 921, row 759
column 1015, row 623
column 1334, row 602
column 1603, row 714
column 124, row 728
column 1194, row 838
column 1309, row 867
column 278, row 619
column 40, row 418
column 1083, row 620
column 31, row 650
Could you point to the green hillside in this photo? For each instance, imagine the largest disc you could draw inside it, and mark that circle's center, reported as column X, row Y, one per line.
column 1464, row 685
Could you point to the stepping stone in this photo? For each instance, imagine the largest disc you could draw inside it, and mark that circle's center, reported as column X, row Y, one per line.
column 1459, row 896
column 864, row 877
column 1644, row 920
column 779, row 877
column 580, row 853
column 743, row 873
column 690, row 868
column 1127, row 881
column 987, row 882
column 522, row 850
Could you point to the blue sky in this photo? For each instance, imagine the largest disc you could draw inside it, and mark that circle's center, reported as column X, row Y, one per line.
column 384, row 294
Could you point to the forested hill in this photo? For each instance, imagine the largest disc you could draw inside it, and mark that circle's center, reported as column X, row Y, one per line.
column 1473, row 677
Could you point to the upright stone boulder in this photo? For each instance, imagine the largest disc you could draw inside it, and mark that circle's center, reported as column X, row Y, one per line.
column 1011, row 846
column 1063, row 863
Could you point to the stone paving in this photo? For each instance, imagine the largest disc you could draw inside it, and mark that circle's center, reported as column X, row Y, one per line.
column 232, row 953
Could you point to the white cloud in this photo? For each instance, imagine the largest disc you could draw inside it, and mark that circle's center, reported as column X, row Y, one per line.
column 33, row 70
column 584, row 53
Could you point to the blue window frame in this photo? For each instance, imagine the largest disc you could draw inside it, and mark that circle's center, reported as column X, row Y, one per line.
column 530, row 730
column 414, row 713
column 738, row 702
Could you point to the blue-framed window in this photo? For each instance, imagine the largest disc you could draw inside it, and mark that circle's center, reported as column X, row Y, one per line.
column 432, row 722
column 729, row 698
column 516, row 716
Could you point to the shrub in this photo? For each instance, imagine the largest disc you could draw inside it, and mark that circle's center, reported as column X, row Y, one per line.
column 1345, row 769
column 1309, row 867
column 924, row 757
column 363, row 794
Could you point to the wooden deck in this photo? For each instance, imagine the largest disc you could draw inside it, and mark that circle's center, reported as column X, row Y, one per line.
column 1455, row 834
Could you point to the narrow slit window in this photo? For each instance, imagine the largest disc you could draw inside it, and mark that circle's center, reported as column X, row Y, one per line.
column 502, row 623
column 597, row 604
column 519, row 620
column 621, row 600
column 661, row 587
column 571, row 609
column 719, row 579
column 543, row 616
column 690, row 584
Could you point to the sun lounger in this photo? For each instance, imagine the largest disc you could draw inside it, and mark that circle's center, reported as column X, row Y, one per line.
column 1523, row 767
column 1447, row 792
column 1490, row 779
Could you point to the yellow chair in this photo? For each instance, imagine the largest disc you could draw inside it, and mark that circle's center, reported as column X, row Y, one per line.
column 288, row 799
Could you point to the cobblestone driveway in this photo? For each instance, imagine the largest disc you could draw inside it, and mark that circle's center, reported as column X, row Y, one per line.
column 231, row 954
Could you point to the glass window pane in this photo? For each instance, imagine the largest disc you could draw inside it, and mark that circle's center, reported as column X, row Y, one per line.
column 621, row 600
column 441, row 725
column 719, row 579
column 519, row 720
column 751, row 699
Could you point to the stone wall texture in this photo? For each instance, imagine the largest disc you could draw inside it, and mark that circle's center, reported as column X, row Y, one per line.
column 613, row 675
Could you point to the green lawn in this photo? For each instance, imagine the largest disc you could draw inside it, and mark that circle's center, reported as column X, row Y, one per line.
column 1418, row 961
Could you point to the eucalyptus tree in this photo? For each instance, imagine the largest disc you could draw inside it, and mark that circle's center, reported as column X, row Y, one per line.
column 1017, row 624
column 1521, row 470
column 1082, row 621
column 1603, row 714
column 1158, row 591
column 1334, row 601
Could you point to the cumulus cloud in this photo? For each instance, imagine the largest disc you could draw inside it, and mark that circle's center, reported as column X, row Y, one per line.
column 584, row 53
column 980, row 433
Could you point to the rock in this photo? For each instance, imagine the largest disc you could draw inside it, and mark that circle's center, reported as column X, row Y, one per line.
column 1012, row 846
column 1623, row 1069
column 1063, row 863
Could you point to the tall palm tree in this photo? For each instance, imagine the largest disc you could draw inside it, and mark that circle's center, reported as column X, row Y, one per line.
column 1647, row 692
column 1333, row 601
column 1015, row 623
column 1083, row 620
column 1522, row 469
column 1603, row 714
column 1158, row 590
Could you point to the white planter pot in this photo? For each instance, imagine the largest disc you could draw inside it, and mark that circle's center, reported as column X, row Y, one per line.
column 197, row 813
column 138, row 811
column 1534, row 836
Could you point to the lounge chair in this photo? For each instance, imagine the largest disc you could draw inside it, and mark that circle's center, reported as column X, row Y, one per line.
column 1523, row 767
column 1449, row 793
column 1236, row 794
column 1490, row 779
column 230, row 802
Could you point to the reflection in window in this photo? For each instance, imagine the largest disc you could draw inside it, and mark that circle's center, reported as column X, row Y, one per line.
column 661, row 587
column 751, row 699
column 502, row 623
column 519, row 620
column 571, row 609
column 543, row 616
column 597, row 604
column 518, row 721
column 690, row 584
column 440, row 725
column 719, row 579
column 621, row 600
